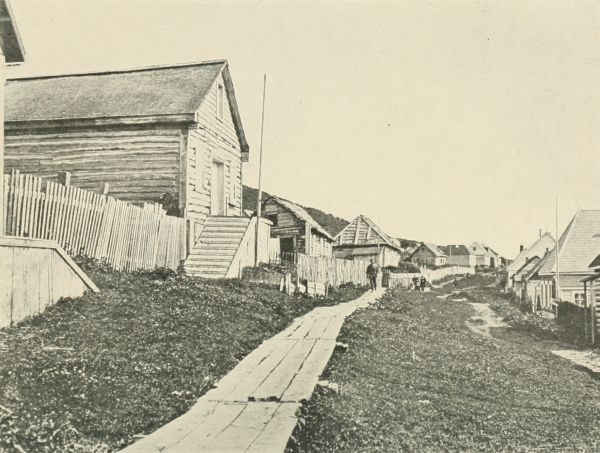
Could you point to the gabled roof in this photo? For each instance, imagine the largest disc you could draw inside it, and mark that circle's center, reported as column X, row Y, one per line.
column 524, row 270
column 577, row 247
column 363, row 231
column 159, row 91
column 301, row 213
column 538, row 248
column 437, row 251
column 481, row 249
column 10, row 40
column 456, row 250
column 596, row 263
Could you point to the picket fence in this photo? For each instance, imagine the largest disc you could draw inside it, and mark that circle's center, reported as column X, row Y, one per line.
column 125, row 236
column 325, row 269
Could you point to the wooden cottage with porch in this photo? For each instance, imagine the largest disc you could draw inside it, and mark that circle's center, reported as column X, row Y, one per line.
column 168, row 134
column 296, row 230
column 363, row 240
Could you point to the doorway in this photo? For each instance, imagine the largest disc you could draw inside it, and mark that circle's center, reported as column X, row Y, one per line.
column 217, row 189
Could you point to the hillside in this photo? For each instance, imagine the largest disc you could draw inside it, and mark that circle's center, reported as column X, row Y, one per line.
column 331, row 223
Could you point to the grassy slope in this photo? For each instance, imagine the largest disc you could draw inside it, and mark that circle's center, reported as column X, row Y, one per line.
column 96, row 371
column 416, row 379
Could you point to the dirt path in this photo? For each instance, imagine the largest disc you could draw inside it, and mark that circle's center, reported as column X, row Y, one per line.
column 484, row 319
column 253, row 408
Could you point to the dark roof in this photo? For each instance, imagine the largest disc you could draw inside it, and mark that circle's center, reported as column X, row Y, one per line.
column 10, row 41
column 146, row 92
column 524, row 270
column 455, row 250
column 301, row 213
column 596, row 262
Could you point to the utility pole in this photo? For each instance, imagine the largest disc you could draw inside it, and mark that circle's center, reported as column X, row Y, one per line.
column 557, row 254
column 259, row 191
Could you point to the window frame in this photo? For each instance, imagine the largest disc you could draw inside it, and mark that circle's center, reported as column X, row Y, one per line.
column 220, row 107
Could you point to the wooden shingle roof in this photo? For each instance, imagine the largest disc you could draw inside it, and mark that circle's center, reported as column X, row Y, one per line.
column 538, row 248
column 456, row 250
column 301, row 213
column 363, row 231
column 577, row 247
column 154, row 92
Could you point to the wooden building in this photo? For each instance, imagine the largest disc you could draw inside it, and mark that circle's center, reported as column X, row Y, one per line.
column 363, row 240
column 169, row 134
column 484, row 255
column 295, row 229
column 429, row 254
column 578, row 246
column 539, row 248
column 33, row 273
column 458, row 255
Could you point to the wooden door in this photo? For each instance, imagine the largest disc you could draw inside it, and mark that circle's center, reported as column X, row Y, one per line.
column 217, row 189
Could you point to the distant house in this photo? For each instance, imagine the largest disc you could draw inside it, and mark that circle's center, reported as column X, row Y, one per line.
column 428, row 253
column 363, row 240
column 459, row 255
column 296, row 230
column 484, row 255
column 577, row 247
column 538, row 249
column 156, row 133
column 520, row 277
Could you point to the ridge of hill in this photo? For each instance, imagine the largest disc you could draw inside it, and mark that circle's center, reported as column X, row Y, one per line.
column 332, row 224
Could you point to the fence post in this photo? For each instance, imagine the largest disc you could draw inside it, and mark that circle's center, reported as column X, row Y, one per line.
column 104, row 188
column 64, row 178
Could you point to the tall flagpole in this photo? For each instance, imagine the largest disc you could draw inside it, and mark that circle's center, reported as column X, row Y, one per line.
column 259, row 194
column 557, row 254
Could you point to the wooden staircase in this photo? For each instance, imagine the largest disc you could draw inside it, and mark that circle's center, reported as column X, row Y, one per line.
column 216, row 248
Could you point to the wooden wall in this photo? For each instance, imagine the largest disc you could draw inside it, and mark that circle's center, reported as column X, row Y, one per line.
column 213, row 139
column 383, row 255
column 288, row 225
column 35, row 274
column 139, row 164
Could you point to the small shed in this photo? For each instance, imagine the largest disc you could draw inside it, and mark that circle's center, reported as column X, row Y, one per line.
column 428, row 253
column 363, row 240
column 295, row 229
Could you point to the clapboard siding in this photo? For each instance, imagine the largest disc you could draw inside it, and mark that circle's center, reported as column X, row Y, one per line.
column 212, row 139
column 139, row 165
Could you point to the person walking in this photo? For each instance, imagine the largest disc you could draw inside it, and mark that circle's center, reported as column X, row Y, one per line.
column 372, row 271
column 416, row 283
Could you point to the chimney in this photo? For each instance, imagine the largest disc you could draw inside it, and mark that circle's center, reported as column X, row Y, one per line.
column 540, row 232
column 521, row 247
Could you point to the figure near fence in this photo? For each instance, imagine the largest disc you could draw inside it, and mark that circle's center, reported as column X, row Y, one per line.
column 372, row 271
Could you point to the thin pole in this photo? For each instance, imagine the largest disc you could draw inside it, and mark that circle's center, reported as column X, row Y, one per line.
column 260, row 158
column 557, row 254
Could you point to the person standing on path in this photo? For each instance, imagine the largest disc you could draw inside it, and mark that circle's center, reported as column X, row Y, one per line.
column 423, row 283
column 372, row 271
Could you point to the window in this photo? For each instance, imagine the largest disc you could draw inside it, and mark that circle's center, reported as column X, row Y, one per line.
column 272, row 218
column 578, row 298
column 220, row 100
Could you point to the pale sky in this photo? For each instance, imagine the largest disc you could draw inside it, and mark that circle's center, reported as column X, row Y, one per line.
column 444, row 121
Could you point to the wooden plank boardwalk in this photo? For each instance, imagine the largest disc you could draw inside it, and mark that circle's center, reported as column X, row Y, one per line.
column 253, row 408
